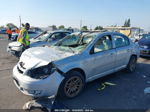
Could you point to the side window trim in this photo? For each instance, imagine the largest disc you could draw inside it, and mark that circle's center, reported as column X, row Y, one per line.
column 111, row 39
column 123, row 36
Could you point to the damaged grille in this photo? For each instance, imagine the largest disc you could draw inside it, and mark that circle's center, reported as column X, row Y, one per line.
column 20, row 71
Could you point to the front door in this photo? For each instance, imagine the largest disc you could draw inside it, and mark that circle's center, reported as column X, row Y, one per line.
column 104, row 56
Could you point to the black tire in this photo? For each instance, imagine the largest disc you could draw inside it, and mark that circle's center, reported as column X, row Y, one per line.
column 18, row 54
column 74, row 79
column 132, row 64
column 38, row 109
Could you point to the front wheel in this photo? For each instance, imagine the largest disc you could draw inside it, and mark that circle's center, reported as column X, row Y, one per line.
column 132, row 64
column 72, row 85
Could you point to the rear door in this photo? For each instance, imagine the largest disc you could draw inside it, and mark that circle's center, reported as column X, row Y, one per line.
column 123, row 50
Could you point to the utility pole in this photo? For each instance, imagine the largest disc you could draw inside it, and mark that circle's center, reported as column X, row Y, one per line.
column 80, row 24
column 90, row 27
column 20, row 21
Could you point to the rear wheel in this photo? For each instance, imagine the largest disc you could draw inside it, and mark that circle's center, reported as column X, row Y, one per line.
column 72, row 85
column 132, row 64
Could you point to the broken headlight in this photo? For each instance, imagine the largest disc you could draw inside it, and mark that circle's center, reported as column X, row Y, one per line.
column 42, row 72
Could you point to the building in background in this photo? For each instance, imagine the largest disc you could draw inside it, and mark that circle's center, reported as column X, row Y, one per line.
column 133, row 32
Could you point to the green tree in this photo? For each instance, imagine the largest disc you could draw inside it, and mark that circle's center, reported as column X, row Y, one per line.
column 61, row 27
column 54, row 27
column 114, row 25
column 98, row 28
column 84, row 28
column 70, row 27
column 127, row 23
column 1, row 27
column 11, row 25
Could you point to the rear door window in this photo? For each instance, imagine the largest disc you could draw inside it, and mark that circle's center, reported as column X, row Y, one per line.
column 121, row 41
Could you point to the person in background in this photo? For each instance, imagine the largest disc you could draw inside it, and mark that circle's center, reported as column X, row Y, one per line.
column 17, row 30
column 22, row 25
column 9, row 32
column 23, row 37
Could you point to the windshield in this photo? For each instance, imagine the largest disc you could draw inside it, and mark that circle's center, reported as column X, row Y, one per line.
column 146, row 36
column 75, row 43
column 43, row 37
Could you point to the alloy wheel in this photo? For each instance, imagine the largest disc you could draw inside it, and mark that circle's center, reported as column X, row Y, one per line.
column 73, row 86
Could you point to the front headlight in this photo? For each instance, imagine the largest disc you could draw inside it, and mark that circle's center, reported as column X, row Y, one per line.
column 145, row 47
column 42, row 72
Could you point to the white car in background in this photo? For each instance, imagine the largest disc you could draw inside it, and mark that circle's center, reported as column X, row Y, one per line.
column 45, row 39
column 64, row 68
column 32, row 34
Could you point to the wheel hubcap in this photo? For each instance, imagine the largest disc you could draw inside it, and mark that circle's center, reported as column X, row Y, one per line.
column 73, row 86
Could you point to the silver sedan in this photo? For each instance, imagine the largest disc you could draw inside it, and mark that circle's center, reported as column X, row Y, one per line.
column 64, row 68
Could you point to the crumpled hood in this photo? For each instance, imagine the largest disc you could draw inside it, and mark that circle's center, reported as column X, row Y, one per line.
column 14, row 44
column 40, row 56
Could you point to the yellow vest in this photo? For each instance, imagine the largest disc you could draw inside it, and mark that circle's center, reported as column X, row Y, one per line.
column 27, row 42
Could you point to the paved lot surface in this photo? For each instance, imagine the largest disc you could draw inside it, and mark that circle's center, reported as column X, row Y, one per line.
column 128, row 93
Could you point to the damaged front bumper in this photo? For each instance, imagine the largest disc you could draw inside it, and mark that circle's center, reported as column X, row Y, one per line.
column 9, row 50
column 37, row 88
column 14, row 51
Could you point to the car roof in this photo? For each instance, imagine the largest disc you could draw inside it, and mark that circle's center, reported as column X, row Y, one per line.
column 98, row 33
column 90, row 33
column 58, row 31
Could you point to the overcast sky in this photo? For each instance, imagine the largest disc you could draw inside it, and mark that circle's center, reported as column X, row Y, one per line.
column 70, row 12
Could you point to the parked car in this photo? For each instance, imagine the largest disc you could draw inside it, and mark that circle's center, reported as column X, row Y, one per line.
column 3, row 31
column 48, row 38
column 144, row 44
column 44, row 39
column 64, row 68
column 32, row 34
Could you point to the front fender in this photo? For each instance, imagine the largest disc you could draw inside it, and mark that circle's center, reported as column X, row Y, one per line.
column 66, row 68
